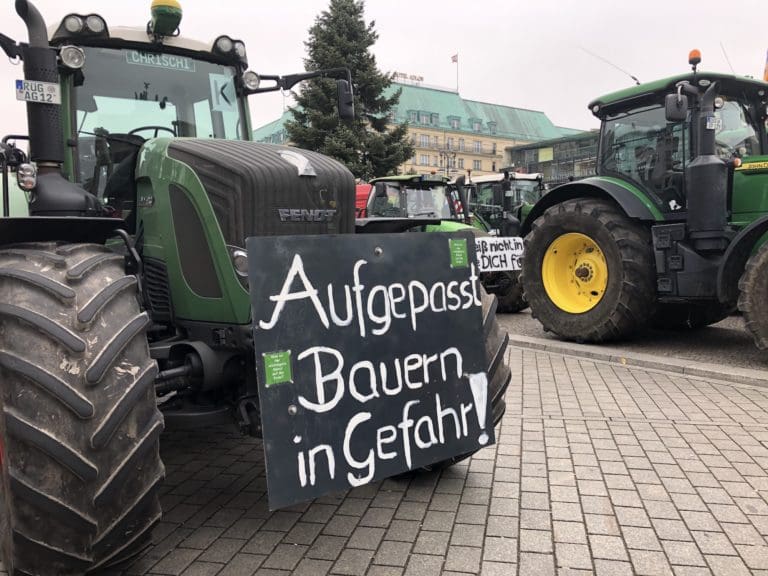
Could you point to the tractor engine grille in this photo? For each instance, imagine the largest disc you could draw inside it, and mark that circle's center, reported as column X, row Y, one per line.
column 256, row 189
column 157, row 290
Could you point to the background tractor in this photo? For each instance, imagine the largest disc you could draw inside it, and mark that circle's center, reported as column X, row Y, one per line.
column 433, row 197
column 671, row 230
column 124, row 293
column 499, row 203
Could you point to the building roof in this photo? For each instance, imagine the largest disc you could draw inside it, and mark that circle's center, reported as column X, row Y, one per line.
column 440, row 107
column 507, row 121
column 272, row 132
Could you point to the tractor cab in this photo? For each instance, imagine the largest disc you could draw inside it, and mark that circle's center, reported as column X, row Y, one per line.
column 123, row 87
column 639, row 143
column 503, row 200
column 407, row 196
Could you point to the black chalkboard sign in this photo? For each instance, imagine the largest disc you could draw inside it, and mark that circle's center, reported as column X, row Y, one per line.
column 370, row 357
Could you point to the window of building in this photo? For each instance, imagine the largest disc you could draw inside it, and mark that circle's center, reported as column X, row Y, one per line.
column 461, row 163
column 435, row 141
column 434, row 160
column 477, row 146
column 461, row 144
column 493, row 166
column 492, row 127
column 412, row 115
column 449, row 143
column 434, row 119
column 477, row 125
column 424, row 117
column 454, row 122
column 493, row 148
column 423, row 140
column 423, row 160
column 477, row 164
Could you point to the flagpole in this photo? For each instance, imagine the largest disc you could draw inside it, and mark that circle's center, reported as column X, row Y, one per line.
column 455, row 60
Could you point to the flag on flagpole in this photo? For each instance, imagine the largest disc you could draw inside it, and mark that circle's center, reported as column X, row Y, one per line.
column 765, row 72
column 455, row 59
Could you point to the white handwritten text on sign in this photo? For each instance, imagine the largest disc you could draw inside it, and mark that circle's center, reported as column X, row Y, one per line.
column 370, row 362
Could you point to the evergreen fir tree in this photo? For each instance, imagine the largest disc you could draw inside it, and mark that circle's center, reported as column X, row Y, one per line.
column 366, row 145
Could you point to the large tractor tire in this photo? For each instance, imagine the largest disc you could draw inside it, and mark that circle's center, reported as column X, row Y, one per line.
column 753, row 296
column 79, row 425
column 499, row 375
column 689, row 316
column 588, row 272
column 511, row 297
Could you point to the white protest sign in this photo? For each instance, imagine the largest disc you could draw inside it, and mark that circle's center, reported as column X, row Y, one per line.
column 496, row 254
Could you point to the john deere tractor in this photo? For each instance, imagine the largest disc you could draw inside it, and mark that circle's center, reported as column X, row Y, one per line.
column 671, row 231
column 124, row 296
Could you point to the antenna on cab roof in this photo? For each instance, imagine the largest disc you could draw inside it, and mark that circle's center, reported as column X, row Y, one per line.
column 611, row 64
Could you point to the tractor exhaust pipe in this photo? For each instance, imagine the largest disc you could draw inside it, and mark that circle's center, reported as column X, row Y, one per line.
column 53, row 195
column 707, row 181
column 46, row 146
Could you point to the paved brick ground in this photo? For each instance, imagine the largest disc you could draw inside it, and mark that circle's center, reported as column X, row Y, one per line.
column 598, row 468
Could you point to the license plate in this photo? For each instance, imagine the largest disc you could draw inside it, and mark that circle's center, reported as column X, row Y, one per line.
column 35, row 91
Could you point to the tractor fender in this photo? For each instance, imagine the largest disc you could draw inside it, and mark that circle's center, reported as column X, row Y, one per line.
column 629, row 198
column 735, row 260
column 77, row 230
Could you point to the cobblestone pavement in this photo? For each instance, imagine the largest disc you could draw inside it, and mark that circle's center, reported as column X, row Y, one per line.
column 598, row 468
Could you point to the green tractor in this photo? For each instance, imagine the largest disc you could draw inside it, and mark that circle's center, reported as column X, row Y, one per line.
column 124, row 290
column 503, row 201
column 671, row 231
column 434, row 197
column 499, row 204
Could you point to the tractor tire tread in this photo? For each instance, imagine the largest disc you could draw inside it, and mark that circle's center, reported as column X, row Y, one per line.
column 84, row 457
column 753, row 287
column 634, row 306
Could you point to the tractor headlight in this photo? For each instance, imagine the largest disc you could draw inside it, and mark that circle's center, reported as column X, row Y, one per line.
column 240, row 262
column 26, row 176
column 79, row 25
column 95, row 24
column 240, row 50
column 224, row 44
column 251, row 80
column 74, row 24
column 72, row 57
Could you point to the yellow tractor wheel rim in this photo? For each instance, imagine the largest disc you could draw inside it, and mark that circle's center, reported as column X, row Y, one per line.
column 574, row 273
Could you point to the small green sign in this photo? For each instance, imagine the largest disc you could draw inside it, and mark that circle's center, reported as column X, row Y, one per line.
column 277, row 366
column 459, row 258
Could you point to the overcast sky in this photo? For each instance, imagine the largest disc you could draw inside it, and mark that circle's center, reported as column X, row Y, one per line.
column 528, row 54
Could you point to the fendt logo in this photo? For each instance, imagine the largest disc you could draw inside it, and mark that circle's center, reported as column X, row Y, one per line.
column 304, row 215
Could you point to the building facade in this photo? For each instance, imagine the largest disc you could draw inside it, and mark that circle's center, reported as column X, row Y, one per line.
column 452, row 135
column 559, row 159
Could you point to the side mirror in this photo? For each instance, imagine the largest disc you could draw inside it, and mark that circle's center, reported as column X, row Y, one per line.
column 345, row 100
column 676, row 107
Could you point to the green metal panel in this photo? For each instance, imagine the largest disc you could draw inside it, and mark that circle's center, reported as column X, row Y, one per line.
column 155, row 172
column 448, row 226
column 750, row 191
column 667, row 85
column 635, row 191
